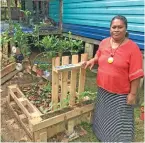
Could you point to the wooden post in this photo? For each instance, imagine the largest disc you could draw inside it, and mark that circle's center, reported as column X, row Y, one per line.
column 70, row 127
column 60, row 16
column 73, row 81
column 37, row 9
column 5, row 49
column 9, row 9
column 89, row 49
column 55, row 82
column 82, row 76
column 64, row 79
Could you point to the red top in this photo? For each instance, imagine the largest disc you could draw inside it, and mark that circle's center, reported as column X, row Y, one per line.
column 127, row 66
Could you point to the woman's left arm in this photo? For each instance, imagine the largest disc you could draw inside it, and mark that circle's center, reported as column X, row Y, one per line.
column 131, row 98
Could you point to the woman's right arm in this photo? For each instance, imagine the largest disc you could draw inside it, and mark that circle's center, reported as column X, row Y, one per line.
column 90, row 63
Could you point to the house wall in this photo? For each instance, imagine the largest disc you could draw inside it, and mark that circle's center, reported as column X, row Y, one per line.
column 91, row 18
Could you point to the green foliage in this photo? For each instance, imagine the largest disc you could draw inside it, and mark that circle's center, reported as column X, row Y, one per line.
column 43, row 66
column 45, row 91
column 20, row 38
column 50, row 44
column 74, row 46
column 5, row 38
column 89, row 94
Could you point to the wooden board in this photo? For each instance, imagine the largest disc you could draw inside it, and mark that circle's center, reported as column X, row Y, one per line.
column 55, row 82
column 19, row 119
column 82, row 74
column 9, row 68
column 64, row 81
column 62, row 117
column 9, row 76
column 24, row 104
column 67, row 67
column 73, row 81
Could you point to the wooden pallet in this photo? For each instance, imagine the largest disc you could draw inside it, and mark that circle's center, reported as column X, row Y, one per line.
column 61, row 70
column 39, row 129
column 9, row 68
column 8, row 72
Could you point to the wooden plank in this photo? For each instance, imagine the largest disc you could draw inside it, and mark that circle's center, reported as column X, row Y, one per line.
column 9, row 9
column 67, row 67
column 82, row 75
column 55, row 129
column 71, row 125
column 25, row 111
column 64, row 80
column 9, row 68
column 43, row 137
column 88, row 40
column 73, row 81
column 59, row 118
column 19, row 120
column 8, row 76
column 55, row 82
column 40, row 136
column 5, row 49
column 89, row 48
column 15, row 88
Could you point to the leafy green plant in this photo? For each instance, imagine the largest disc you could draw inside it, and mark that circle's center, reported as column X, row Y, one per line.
column 74, row 46
column 50, row 43
column 20, row 39
column 43, row 66
column 27, row 14
column 90, row 96
column 45, row 91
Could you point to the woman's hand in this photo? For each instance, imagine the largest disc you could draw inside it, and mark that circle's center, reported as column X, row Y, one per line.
column 131, row 99
column 89, row 63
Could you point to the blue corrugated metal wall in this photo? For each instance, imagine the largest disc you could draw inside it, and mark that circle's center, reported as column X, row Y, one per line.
column 91, row 18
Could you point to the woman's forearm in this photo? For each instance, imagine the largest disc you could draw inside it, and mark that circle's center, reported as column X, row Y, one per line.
column 134, row 86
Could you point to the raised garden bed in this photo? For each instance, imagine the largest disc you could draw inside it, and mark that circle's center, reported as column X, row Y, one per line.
column 62, row 116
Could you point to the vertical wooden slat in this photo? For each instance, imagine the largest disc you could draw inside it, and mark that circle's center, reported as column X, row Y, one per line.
column 73, row 81
column 82, row 75
column 9, row 9
column 37, row 9
column 55, row 82
column 43, row 137
column 64, row 79
column 40, row 136
column 5, row 49
column 71, row 124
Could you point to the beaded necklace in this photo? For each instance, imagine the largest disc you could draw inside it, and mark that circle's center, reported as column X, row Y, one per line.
column 111, row 58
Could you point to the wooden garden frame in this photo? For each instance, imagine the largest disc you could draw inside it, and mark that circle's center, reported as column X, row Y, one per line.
column 41, row 129
column 10, row 70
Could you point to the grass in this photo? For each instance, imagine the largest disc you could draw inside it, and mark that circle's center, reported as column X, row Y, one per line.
column 90, row 137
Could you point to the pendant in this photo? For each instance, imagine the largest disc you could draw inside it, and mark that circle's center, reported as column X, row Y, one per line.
column 110, row 60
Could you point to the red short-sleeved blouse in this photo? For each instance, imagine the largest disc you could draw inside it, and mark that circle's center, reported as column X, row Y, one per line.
column 127, row 66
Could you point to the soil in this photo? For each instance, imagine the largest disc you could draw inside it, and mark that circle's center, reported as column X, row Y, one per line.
column 10, row 128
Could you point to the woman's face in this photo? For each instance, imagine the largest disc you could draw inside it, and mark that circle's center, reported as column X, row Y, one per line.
column 118, row 29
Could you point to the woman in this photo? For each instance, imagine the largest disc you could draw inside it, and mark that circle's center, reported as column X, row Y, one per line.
column 119, row 73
